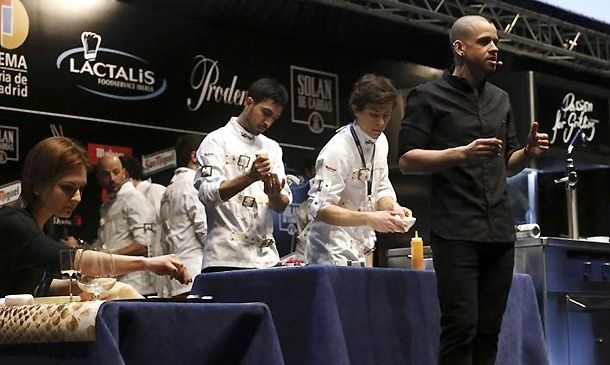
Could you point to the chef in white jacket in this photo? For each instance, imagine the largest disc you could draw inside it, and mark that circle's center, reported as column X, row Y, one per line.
column 127, row 219
column 153, row 193
column 241, row 179
column 183, row 216
column 351, row 196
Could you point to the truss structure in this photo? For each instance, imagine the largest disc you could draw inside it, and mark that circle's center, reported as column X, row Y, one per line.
column 521, row 31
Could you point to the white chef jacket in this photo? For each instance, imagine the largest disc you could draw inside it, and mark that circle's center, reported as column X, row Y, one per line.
column 337, row 182
column 184, row 228
column 154, row 193
column 125, row 217
column 303, row 226
column 236, row 233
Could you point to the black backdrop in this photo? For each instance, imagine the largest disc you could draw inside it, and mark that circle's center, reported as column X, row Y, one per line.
column 245, row 39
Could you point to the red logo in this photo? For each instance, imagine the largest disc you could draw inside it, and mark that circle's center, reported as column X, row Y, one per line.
column 96, row 151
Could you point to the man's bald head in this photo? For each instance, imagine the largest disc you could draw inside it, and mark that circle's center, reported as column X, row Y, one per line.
column 108, row 158
column 465, row 27
column 110, row 172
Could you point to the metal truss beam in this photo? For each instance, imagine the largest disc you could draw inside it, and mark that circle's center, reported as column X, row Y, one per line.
column 522, row 31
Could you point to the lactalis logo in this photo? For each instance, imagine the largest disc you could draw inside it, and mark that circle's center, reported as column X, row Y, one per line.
column 14, row 24
column 110, row 73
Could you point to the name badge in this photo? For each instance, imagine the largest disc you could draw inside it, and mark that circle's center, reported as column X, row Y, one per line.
column 243, row 161
column 364, row 174
column 248, row 201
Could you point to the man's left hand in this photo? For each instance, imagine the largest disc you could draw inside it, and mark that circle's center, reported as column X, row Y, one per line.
column 537, row 143
column 272, row 184
column 403, row 212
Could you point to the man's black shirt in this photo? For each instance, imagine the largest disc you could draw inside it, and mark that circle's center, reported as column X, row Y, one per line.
column 469, row 201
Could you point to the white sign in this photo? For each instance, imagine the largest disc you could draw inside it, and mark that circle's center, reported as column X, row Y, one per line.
column 10, row 192
column 9, row 144
column 573, row 115
column 159, row 161
column 109, row 72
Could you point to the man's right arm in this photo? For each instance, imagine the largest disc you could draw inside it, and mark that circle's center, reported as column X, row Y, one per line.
column 210, row 180
column 232, row 187
column 380, row 221
column 420, row 161
column 229, row 188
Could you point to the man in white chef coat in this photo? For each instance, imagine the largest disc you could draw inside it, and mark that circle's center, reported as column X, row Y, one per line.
column 241, row 179
column 183, row 216
column 351, row 196
column 153, row 193
column 127, row 220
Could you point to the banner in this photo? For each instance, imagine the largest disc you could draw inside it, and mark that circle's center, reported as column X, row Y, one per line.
column 10, row 192
column 159, row 161
column 96, row 150
column 563, row 111
column 9, row 144
column 314, row 97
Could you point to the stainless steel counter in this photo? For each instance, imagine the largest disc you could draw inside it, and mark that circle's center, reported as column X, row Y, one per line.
column 572, row 280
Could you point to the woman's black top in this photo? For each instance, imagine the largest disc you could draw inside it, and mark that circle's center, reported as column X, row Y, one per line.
column 25, row 252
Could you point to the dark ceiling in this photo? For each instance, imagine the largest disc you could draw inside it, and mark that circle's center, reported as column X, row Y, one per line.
column 315, row 22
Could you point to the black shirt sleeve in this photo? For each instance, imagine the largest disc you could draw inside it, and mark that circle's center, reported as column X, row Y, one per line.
column 418, row 124
column 512, row 145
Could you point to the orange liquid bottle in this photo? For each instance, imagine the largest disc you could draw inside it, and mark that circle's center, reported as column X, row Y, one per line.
column 417, row 253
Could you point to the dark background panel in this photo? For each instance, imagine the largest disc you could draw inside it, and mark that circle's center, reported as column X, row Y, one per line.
column 252, row 39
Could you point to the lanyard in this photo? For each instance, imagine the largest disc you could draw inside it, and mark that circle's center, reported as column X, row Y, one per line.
column 369, row 183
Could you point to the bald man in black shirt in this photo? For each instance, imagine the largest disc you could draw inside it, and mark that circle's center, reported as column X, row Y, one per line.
column 457, row 129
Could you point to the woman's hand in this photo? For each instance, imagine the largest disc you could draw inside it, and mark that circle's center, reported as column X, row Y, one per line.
column 168, row 265
column 69, row 242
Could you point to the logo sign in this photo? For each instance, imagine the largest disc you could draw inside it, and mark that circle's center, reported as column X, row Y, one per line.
column 95, row 151
column 561, row 112
column 10, row 192
column 110, row 73
column 288, row 219
column 572, row 115
column 205, row 77
column 14, row 28
column 14, row 24
column 159, row 161
column 314, row 98
column 9, row 144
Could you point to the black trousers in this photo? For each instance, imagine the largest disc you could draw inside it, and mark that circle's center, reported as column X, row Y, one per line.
column 473, row 281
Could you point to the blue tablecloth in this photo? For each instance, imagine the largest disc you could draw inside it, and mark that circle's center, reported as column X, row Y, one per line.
column 340, row 315
column 165, row 333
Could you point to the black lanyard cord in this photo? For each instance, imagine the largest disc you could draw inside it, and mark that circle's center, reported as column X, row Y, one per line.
column 369, row 183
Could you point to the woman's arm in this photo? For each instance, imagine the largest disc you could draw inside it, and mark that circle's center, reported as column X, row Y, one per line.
column 160, row 265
